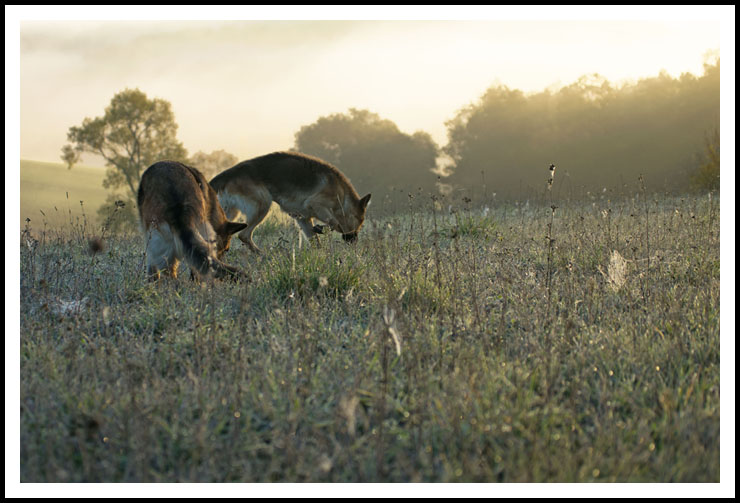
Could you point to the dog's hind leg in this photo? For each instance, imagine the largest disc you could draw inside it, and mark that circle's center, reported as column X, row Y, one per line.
column 172, row 266
column 161, row 253
column 255, row 215
column 253, row 204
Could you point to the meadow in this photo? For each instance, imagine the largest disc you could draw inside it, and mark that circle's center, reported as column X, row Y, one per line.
column 557, row 341
column 51, row 193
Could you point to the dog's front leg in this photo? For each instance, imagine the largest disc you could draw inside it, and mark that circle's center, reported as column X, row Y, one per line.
column 310, row 230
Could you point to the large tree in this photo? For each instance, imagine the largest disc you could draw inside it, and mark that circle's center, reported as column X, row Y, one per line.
column 373, row 153
column 134, row 132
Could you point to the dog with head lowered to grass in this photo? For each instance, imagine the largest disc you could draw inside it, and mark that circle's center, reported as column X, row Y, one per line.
column 303, row 186
column 183, row 220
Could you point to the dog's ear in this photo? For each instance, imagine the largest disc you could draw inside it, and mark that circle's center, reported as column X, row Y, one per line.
column 234, row 227
column 365, row 201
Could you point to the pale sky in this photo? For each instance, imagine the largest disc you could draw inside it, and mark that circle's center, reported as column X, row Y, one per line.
column 248, row 86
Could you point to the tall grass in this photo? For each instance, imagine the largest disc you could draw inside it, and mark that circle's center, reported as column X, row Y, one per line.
column 447, row 345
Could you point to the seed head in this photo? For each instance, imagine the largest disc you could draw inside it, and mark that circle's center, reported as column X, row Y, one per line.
column 95, row 245
column 552, row 176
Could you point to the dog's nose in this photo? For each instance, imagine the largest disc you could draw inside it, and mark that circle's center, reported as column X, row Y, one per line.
column 350, row 237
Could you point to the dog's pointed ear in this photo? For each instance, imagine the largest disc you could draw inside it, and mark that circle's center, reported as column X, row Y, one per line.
column 365, row 201
column 234, row 227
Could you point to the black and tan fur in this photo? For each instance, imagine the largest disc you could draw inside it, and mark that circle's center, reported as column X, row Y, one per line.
column 183, row 220
column 305, row 187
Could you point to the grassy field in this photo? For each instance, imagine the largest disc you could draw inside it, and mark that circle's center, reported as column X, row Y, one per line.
column 56, row 191
column 450, row 344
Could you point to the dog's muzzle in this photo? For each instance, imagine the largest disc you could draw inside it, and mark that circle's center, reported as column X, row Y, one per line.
column 350, row 237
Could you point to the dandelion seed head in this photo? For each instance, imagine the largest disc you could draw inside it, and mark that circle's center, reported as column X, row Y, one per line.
column 617, row 270
column 325, row 464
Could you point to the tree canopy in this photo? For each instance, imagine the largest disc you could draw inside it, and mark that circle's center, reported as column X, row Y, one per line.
column 133, row 133
column 373, row 153
column 707, row 176
column 598, row 134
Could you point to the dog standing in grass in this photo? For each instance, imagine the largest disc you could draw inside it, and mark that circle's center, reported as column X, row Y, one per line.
column 304, row 187
column 183, row 220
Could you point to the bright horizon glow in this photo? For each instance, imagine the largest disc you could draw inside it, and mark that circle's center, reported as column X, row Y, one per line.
column 248, row 86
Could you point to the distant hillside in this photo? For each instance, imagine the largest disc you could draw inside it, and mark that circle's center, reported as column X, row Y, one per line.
column 57, row 191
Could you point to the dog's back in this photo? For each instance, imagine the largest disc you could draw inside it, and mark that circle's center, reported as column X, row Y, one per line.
column 182, row 218
column 285, row 173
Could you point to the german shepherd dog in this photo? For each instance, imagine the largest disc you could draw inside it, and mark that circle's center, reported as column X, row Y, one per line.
column 182, row 219
column 304, row 187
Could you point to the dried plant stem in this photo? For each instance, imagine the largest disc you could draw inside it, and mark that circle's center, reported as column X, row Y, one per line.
column 646, row 290
column 380, row 418
column 435, row 245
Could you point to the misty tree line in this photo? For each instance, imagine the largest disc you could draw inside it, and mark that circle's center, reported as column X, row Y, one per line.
column 598, row 134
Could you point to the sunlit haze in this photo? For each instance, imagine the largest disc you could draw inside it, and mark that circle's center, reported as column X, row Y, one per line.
column 248, row 86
